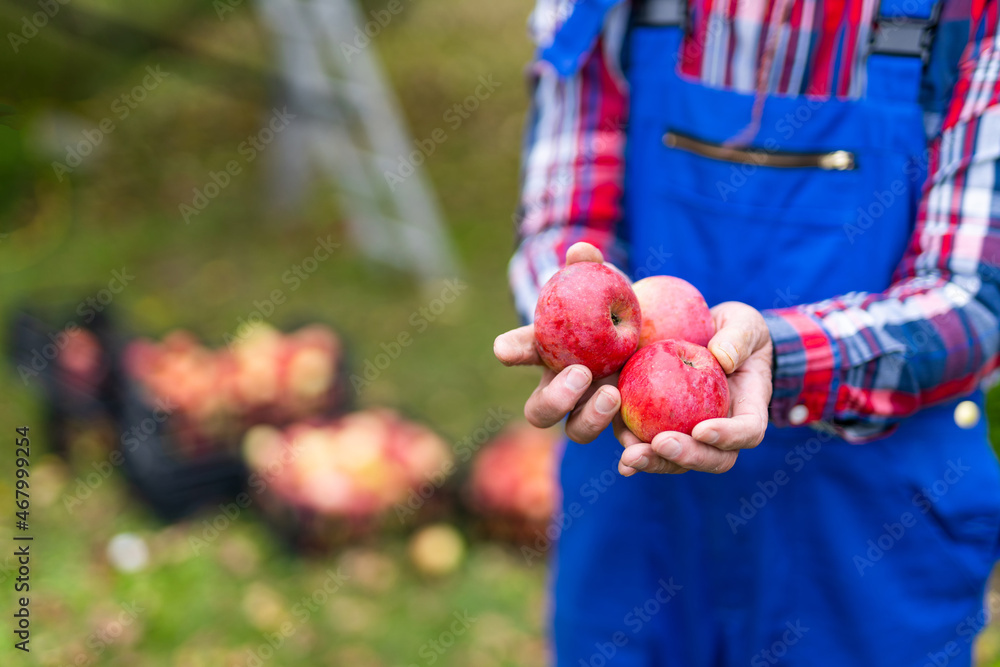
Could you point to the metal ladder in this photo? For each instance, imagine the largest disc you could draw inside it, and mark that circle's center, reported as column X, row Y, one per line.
column 349, row 125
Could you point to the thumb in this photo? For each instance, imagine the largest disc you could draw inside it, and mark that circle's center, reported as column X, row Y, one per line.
column 582, row 251
column 742, row 332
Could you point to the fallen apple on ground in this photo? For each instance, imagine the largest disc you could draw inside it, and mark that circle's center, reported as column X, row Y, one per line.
column 672, row 308
column 587, row 314
column 671, row 385
column 437, row 550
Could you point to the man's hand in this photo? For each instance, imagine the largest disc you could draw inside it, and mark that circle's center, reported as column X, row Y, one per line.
column 742, row 344
column 590, row 406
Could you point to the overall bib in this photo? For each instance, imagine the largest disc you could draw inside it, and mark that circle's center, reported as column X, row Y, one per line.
column 810, row 551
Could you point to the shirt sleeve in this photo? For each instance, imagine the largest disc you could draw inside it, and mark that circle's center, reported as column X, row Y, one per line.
column 862, row 362
column 573, row 160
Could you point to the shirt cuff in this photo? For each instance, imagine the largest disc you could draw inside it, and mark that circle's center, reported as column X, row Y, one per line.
column 806, row 376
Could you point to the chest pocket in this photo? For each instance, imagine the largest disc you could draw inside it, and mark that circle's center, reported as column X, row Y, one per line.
column 818, row 199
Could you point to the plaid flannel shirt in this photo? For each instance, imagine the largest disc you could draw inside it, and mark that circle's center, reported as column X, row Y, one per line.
column 858, row 362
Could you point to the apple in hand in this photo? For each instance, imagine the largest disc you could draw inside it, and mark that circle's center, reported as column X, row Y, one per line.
column 671, row 385
column 672, row 308
column 587, row 314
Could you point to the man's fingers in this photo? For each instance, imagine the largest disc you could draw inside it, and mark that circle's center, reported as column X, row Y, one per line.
column 626, row 471
column 686, row 452
column 738, row 334
column 739, row 432
column 517, row 347
column 625, row 436
column 591, row 417
column 732, row 345
column 556, row 395
column 583, row 252
column 642, row 457
column 745, row 429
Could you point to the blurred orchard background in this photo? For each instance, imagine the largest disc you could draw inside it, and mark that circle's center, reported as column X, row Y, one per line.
column 254, row 440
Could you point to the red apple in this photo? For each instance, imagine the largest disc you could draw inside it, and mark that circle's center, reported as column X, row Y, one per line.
column 671, row 385
column 515, row 474
column 672, row 308
column 587, row 314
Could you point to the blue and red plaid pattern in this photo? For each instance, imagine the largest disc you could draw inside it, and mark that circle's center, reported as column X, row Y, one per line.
column 860, row 362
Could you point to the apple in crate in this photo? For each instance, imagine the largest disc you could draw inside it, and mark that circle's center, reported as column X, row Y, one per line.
column 513, row 482
column 671, row 385
column 587, row 314
column 357, row 466
column 672, row 308
column 81, row 360
column 312, row 362
column 254, row 380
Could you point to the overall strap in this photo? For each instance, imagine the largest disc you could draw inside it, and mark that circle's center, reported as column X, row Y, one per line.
column 899, row 48
column 574, row 39
column 659, row 13
column 899, row 45
column 669, row 15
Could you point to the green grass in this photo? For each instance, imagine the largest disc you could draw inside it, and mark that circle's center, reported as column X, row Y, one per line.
column 122, row 211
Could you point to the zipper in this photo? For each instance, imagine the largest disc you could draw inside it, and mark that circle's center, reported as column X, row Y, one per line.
column 831, row 161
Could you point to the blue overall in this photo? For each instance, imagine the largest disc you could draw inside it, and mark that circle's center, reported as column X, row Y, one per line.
column 810, row 551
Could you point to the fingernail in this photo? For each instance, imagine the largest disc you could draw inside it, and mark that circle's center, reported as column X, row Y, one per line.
column 710, row 437
column 730, row 351
column 669, row 449
column 606, row 404
column 640, row 463
column 501, row 348
column 577, row 380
